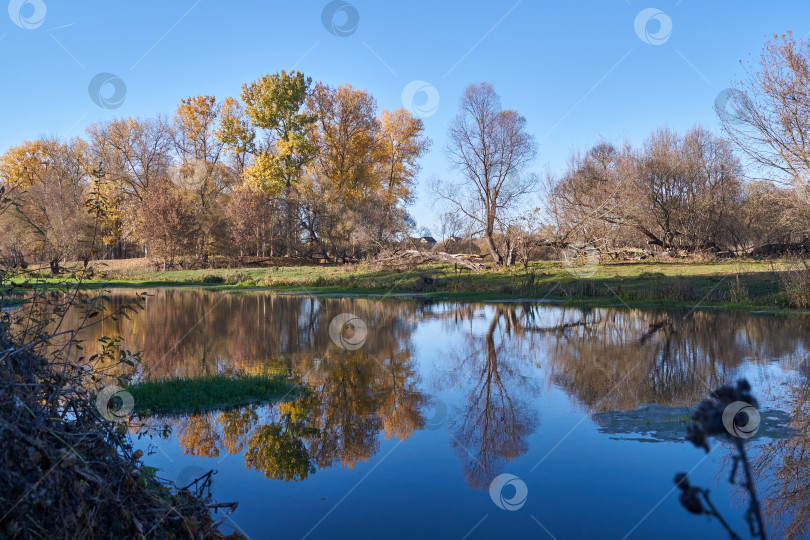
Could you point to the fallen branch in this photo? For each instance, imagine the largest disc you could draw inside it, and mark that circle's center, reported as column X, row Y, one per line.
column 414, row 257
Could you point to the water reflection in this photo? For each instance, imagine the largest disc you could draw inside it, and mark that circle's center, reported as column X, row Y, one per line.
column 492, row 422
column 784, row 465
column 501, row 361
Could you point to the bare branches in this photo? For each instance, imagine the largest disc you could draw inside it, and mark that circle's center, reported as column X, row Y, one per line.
column 770, row 112
column 491, row 148
column 413, row 257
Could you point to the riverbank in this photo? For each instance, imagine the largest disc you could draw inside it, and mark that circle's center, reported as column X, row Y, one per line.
column 739, row 284
column 65, row 472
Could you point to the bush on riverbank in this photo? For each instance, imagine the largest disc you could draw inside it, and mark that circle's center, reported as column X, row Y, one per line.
column 67, row 469
column 795, row 284
column 65, row 472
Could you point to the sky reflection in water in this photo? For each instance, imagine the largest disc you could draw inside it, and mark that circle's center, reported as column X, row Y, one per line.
column 401, row 437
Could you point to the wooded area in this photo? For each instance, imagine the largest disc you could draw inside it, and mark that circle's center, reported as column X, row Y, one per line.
column 299, row 168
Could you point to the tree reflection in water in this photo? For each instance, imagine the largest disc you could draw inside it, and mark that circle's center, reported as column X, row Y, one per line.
column 500, row 357
column 783, row 466
column 492, row 425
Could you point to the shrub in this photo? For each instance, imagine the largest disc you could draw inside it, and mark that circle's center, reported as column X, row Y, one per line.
column 213, row 279
column 235, row 278
column 795, row 284
column 737, row 292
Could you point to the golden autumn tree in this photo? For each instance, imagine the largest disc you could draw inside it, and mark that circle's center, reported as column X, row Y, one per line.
column 275, row 134
column 199, row 169
column 48, row 184
column 236, row 133
column 106, row 203
column 401, row 142
column 354, row 195
column 345, row 135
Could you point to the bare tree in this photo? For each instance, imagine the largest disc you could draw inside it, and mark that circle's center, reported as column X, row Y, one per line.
column 768, row 117
column 690, row 184
column 769, row 111
column 450, row 224
column 595, row 199
column 490, row 146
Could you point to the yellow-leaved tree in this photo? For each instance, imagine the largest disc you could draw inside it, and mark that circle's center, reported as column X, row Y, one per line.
column 272, row 127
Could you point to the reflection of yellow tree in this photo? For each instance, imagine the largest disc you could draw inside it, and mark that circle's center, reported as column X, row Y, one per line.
column 345, row 409
column 236, row 425
column 782, row 467
column 278, row 449
column 354, row 396
column 359, row 393
column 199, row 435
column 400, row 406
column 495, row 423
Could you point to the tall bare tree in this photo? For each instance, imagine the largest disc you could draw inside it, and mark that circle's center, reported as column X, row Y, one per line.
column 768, row 114
column 768, row 117
column 491, row 147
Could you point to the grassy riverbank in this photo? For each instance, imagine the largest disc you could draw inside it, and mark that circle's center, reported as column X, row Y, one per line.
column 738, row 284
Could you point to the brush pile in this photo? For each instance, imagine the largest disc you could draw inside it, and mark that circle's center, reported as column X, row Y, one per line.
column 67, row 472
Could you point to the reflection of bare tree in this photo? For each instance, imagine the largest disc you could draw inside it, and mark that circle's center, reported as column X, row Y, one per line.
column 607, row 359
column 782, row 467
column 618, row 360
column 493, row 426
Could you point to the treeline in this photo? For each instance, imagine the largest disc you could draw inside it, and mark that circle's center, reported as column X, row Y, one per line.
column 291, row 168
column 676, row 192
column 745, row 191
column 308, row 170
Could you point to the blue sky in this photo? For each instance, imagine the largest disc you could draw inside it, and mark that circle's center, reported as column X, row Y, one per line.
column 577, row 71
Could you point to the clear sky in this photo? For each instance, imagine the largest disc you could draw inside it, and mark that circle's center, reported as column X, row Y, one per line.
column 577, row 71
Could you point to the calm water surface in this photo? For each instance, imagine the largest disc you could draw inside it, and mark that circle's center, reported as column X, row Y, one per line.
column 402, row 436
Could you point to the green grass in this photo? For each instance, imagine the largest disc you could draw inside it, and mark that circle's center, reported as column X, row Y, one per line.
column 177, row 396
column 738, row 284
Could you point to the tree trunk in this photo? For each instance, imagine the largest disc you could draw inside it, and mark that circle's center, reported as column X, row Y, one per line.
column 288, row 209
column 489, row 237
